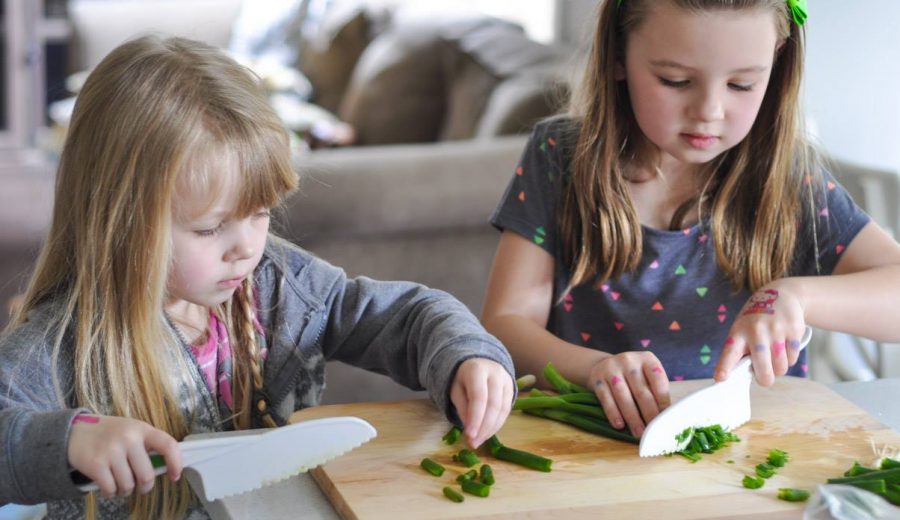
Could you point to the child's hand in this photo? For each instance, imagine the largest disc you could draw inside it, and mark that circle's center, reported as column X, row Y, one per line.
column 112, row 451
column 632, row 388
column 769, row 329
column 482, row 393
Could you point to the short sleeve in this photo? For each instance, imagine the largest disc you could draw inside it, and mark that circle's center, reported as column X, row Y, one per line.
column 834, row 223
column 529, row 206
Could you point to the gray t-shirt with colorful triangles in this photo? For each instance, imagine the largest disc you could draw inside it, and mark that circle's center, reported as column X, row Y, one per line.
column 678, row 303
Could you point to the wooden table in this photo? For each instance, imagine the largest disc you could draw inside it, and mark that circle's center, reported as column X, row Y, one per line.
column 823, row 432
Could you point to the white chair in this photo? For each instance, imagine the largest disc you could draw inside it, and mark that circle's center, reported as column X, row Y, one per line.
column 847, row 357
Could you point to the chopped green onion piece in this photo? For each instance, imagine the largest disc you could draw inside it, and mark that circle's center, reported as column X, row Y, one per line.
column 452, row 436
column 753, row 482
column 777, row 458
column 793, row 495
column 523, row 458
column 487, row 475
column 765, row 470
column 467, row 457
column 469, row 475
column 453, row 494
column 476, row 488
column 432, row 467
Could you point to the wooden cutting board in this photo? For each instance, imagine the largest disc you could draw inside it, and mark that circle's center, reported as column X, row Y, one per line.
column 594, row 477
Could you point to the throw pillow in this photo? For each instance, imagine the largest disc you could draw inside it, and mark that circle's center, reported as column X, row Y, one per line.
column 329, row 57
column 397, row 92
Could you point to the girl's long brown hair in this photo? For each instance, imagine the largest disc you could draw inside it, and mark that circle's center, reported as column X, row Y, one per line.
column 154, row 117
column 757, row 194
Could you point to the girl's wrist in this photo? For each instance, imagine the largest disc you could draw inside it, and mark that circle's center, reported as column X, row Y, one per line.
column 794, row 287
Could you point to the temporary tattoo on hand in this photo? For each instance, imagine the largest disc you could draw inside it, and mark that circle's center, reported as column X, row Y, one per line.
column 761, row 303
column 85, row 418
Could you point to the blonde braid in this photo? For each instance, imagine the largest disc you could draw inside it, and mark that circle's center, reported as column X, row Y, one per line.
column 244, row 326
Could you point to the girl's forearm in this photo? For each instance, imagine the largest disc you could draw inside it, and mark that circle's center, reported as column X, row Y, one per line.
column 532, row 346
column 864, row 303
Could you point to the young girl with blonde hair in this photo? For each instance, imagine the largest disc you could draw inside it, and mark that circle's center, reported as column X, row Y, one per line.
column 637, row 228
column 161, row 306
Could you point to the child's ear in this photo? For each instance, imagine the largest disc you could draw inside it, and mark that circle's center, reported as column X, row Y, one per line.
column 619, row 71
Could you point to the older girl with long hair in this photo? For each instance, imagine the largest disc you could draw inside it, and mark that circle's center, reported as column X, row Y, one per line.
column 681, row 183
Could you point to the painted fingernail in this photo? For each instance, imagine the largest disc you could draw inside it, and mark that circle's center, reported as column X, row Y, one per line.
column 759, row 347
column 729, row 342
column 85, row 418
column 657, row 370
column 778, row 347
column 633, row 371
column 615, row 380
column 795, row 344
column 598, row 384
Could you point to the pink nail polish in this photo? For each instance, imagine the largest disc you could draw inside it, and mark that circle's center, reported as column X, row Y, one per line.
column 778, row 347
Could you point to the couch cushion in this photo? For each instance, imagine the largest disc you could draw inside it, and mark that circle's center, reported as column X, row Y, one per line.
column 519, row 102
column 397, row 92
column 329, row 56
column 471, row 80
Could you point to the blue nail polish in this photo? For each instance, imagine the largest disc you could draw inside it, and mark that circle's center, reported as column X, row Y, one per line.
column 795, row 344
column 759, row 348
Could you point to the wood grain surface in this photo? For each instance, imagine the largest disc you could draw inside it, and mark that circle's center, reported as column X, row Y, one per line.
column 594, row 477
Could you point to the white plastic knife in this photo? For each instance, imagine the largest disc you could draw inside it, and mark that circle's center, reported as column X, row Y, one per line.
column 726, row 403
column 218, row 465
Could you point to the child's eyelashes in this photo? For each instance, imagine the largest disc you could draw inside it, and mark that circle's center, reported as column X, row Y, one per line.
column 209, row 232
column 674, row 83
column 684, row 83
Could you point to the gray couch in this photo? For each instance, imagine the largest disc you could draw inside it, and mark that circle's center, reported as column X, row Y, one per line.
column 405, row 212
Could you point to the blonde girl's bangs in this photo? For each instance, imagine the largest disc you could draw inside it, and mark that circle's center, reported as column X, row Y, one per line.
column 256, row 168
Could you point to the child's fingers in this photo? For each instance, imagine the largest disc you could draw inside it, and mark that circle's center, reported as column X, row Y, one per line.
column 142, row 469
column 625, row 401
column 166, row 445
column 458, row 398
column 123, row 475
column 761, row 356
column 642, row 394
column 106, row 482
column 779, row 357
column 658, row 383
column 793, row 348
column 476, row 394
column 498, row 406
column 732, row 352
column 604, row 395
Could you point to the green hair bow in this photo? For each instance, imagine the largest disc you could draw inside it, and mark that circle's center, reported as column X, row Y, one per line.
column 797, row 7
column 798, row 10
